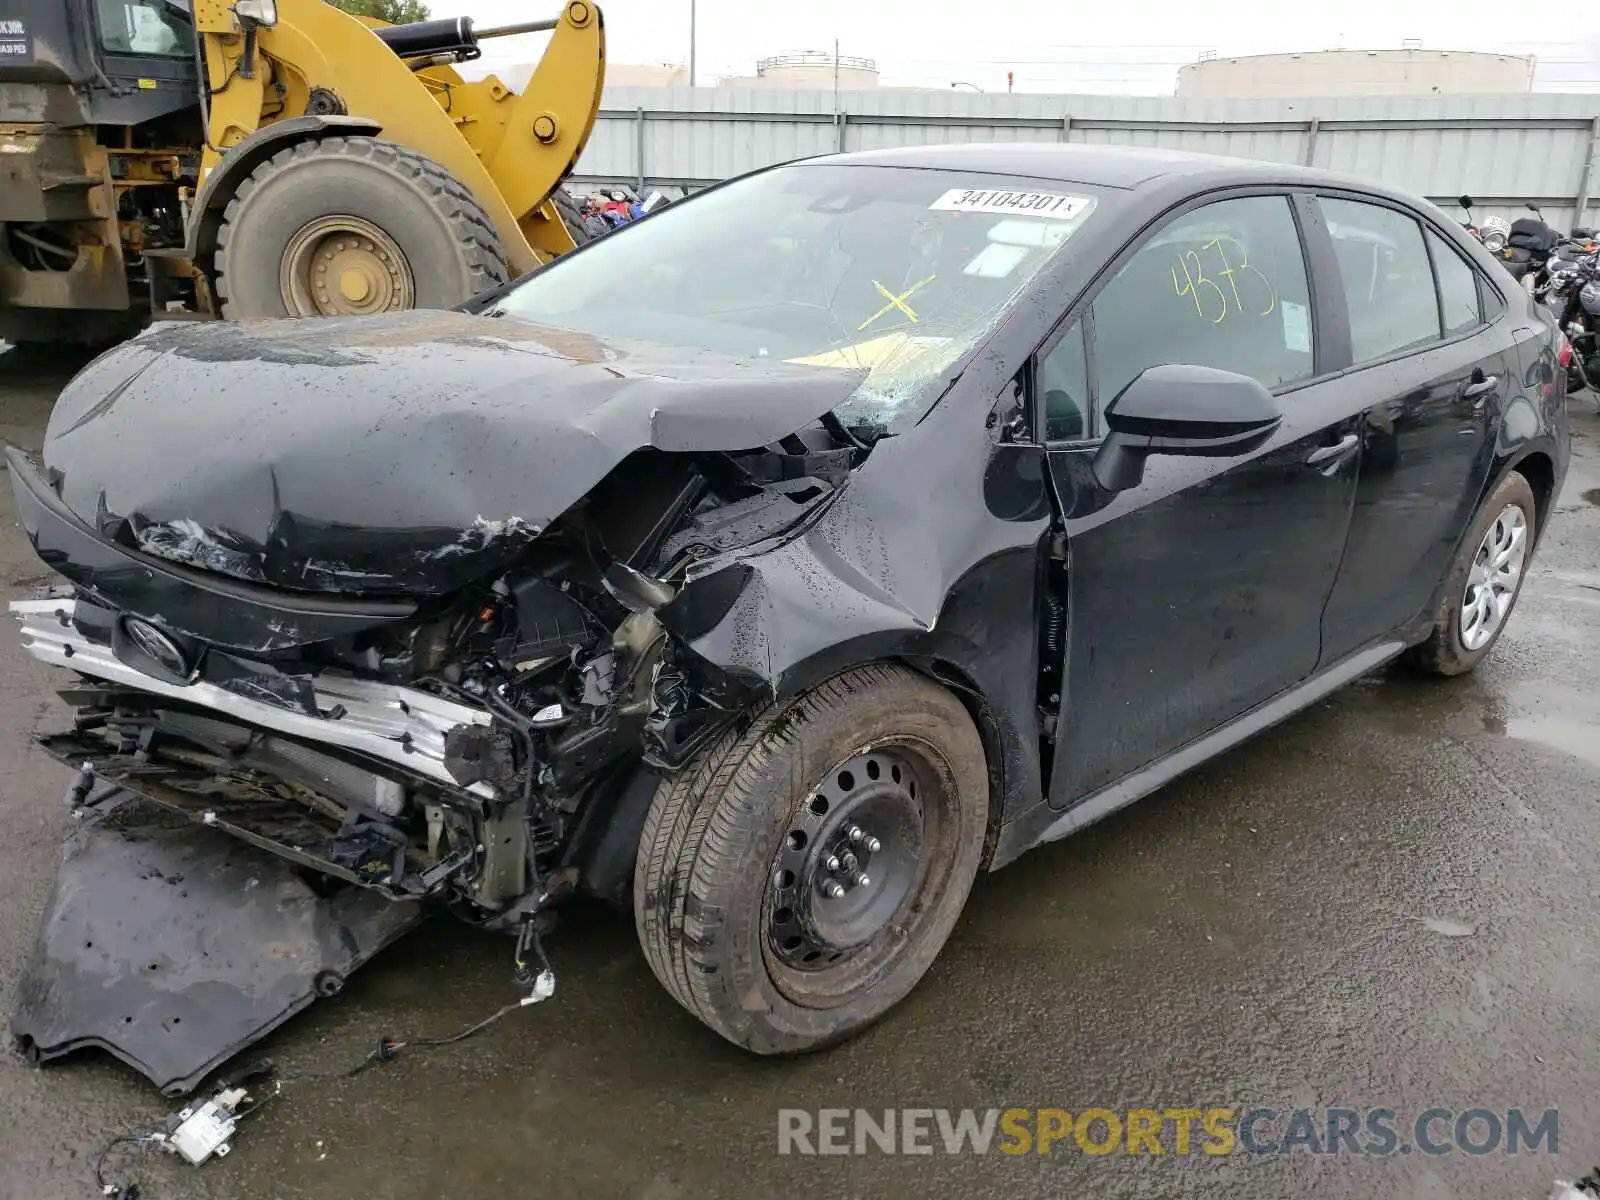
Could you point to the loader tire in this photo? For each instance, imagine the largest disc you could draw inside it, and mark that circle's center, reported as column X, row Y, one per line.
column 389, row 228
column 797, row 878
column 571, row 215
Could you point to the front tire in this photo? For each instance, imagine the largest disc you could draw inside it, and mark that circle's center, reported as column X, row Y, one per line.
column 797, row 881
column 571, row 216
column 352, row 226
column 1484, row 582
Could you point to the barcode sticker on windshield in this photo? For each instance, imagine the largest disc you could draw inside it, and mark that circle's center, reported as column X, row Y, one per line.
column 1032, row 204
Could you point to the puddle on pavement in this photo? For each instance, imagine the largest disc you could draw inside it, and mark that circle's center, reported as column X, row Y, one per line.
column 1592, row 495
column 1573, row 736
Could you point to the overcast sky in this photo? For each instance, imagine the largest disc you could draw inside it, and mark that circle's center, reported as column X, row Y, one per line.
column 1055, row 46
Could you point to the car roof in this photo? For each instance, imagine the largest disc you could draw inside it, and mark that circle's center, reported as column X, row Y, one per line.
column 1125, row 167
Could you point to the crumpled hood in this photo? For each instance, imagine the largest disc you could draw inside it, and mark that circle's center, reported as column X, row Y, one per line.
column 411, row 453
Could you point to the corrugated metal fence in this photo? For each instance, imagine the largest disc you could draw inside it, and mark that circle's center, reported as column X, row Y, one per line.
column 1502, row 150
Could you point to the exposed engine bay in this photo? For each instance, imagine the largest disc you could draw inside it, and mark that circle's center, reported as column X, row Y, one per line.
column 456, row 754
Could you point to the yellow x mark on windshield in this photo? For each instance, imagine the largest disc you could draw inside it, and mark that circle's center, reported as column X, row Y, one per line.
column 897, row 301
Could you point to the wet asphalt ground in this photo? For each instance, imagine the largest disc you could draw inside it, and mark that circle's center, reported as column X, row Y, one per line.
column 1391, row 901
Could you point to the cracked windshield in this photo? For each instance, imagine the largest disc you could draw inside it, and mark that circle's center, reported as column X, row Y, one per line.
column 898, row 272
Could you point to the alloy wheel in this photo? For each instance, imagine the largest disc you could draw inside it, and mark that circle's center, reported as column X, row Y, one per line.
column 1495, row 575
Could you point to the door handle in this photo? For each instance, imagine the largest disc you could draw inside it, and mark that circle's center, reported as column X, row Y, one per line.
column 1329, row 454
column 1478, row 389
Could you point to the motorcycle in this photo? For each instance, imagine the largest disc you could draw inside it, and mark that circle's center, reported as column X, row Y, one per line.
column 1492, row 233
column 1523, row 246
column 1570, row 288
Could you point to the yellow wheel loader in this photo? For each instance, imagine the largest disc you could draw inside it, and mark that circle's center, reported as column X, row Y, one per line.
column 259, row 158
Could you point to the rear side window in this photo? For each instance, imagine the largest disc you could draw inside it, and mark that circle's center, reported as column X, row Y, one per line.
column 1220, row 286
column 1387, row 278
column 1458, row 288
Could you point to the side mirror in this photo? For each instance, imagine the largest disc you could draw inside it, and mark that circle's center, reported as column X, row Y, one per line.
column 1465, row 201
column 1182, row 409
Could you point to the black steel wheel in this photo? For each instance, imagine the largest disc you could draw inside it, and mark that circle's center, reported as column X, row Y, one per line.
column 797, row 881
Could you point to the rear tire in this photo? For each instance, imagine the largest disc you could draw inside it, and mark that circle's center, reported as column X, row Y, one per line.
column 389, row 228
column 1484, row 582
column 571, row 215
column 780, row 965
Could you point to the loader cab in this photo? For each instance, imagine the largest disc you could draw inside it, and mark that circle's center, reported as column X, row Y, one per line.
column 146, row 51
column 96, row 62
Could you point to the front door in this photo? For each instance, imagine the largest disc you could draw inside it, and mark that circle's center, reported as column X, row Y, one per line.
column 1433, row 376
column 1197, row 594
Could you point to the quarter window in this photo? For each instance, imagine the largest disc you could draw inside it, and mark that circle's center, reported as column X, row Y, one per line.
column 1064, row 389
column 1387, row 278
column 1222, row 286
column 1458, row 287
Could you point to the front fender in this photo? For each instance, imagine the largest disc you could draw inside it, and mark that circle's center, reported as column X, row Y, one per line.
column 931, row 555
column 244, row 156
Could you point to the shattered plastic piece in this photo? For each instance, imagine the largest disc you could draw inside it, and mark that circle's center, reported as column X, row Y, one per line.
column 187, row 541
column 1453, row 929
column 481, row 535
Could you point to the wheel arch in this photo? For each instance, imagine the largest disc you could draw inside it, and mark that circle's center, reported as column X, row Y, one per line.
column 994, row 682
column 205, row 220
column 1537, row 465
column 1539, row 469
column 975, row 700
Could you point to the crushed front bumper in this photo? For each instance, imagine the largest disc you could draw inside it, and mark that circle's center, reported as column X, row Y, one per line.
column 174, row 946
column 399, row 725
column 183, row 925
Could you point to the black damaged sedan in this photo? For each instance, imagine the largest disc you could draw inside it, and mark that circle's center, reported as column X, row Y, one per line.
column 773, row 565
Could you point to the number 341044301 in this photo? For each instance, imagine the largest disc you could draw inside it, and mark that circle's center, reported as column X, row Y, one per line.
column 1238, row 288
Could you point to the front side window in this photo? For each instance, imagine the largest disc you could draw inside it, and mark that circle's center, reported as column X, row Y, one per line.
column 1387, row 278
column 1223, row 286
column 900, row 272
column 143, row 27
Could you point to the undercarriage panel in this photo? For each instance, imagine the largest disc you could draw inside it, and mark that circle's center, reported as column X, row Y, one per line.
column 174, row 946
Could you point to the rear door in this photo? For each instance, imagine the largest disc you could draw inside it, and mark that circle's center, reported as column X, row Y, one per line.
column 1197, row 594
column 1433, row 350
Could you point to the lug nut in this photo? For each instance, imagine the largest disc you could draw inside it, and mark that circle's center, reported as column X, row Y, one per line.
column 862, row 880
column 833, row 862
column 854, row 833
column 833, row 889
column 873, row 845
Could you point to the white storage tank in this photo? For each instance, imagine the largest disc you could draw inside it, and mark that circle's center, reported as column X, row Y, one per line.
column 811, row 70
column 1411, row 71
